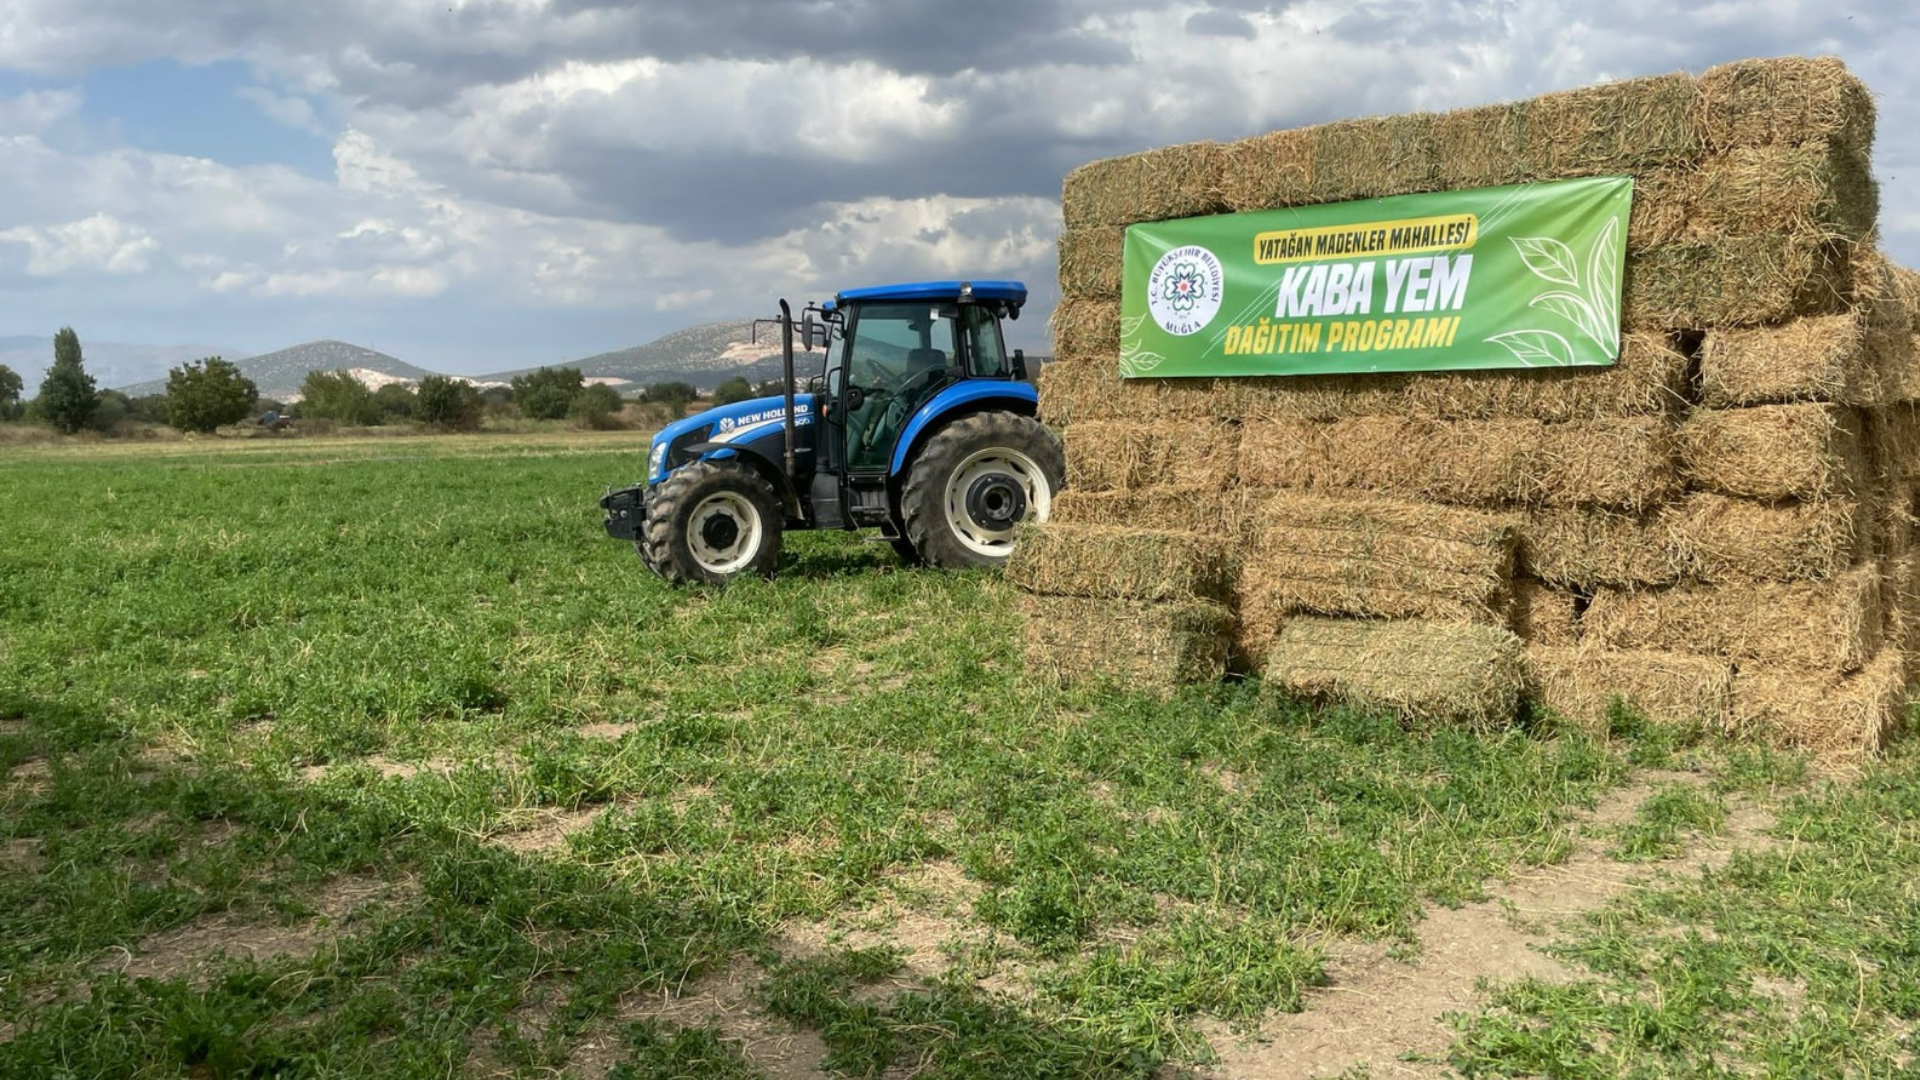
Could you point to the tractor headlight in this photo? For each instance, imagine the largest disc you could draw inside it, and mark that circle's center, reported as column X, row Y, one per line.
column 657, row 461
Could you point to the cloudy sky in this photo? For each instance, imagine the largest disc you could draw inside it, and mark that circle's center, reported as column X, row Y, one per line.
column 480, row 184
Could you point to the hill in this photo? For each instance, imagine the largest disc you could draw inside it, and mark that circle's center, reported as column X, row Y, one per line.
column 703, row 355
column 111, row 363
column 279, row 374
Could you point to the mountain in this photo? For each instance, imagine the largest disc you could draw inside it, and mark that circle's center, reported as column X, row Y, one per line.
column 279, row 374
column 703, row 355
column 111, row 363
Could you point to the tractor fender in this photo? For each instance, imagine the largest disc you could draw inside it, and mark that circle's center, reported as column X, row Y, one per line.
column 768, row 469
column 961, row 399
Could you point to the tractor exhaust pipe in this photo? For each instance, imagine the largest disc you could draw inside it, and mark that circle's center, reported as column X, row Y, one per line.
column 786, row 361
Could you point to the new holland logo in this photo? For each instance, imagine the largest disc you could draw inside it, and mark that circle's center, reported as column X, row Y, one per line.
column 726, row 424
column 1184, row 290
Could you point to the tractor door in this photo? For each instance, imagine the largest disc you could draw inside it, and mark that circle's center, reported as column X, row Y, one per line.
column 900, row 353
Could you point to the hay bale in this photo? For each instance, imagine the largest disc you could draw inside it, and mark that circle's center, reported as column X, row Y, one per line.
column 1808, row 451
column 1181, row 507
column 1824, row 358
column 1085, row 329
column 1892, row 437
column 1584, row 548
column 1581, row 684
column 1154, row 185
column 1083, row 390
column 1625, row 463
column 1121, row 562
column 1821, row 188
column 1090, row 262
column 1269, row 172
column 1116, row 455
column 1374, row 157
column 1826, row 626
column 1738, row 281
column 1840, row 719
column 1649, row 379
column 1731, row 540
column 1151, row 647
column 1787, row 101
column 1430, row 674
column 1613, row 128
column 1373, row 557
column 1481, row 147
column 1543, row 614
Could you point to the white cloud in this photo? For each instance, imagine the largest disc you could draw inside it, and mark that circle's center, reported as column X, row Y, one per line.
column 99, row 243
column 37, row 110
column 287, row 109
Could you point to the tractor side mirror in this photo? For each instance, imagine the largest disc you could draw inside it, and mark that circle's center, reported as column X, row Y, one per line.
column 806, row 330
column 856, row 397
column 1020, row 364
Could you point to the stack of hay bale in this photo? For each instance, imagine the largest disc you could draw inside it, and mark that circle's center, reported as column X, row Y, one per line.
column 1716, row 529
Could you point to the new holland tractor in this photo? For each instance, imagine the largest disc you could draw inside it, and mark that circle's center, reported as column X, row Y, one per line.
column 921, row 425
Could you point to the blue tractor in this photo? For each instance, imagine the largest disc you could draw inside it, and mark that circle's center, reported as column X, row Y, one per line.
column 921, row 425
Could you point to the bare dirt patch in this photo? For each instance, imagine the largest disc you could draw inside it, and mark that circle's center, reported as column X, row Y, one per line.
column 725, row 999
column 545, row 830
column 926, row 917
column 388, row 768
column 197, row 950
column 21, row 856
column 610, row 732
column 1375, row 1009
column 12, row 727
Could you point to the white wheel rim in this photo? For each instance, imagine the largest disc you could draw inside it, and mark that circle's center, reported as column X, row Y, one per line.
column 746, row 544
column 994, row 461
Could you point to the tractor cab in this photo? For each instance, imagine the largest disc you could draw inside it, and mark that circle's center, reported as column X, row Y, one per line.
column 920, row 424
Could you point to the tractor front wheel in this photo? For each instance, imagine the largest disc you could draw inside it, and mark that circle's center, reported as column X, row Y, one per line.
column 712, row 521
column 974, row 482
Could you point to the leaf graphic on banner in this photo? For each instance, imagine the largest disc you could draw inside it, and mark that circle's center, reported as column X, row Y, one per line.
column 1139, row 363
column 1573, row 309
column 1550, row 259
column 1536, row 348
column 1130, row 327
column 1603, row 284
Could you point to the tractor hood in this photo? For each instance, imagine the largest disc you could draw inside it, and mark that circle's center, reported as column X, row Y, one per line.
column 739, row 422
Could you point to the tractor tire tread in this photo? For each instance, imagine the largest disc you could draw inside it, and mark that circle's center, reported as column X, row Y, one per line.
column 661, row 544
column 925, row 488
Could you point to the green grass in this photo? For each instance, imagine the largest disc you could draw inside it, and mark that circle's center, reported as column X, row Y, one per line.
column 210, row 652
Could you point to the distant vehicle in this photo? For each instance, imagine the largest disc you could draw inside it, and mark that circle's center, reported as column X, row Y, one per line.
column 921, row 425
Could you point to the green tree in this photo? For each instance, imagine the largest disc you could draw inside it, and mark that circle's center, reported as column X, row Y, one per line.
column 449, row 403
column 395, row 401
column 337, row 395
column 732, row 390
column 676, row 396
column 547, row 394
column 67, row 398
column 595, row 407
column 148, row 408
column 10, row 388
column 113, row 407
column 203, row 394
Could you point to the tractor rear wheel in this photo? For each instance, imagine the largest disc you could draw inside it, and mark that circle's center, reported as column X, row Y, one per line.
column 712, row 521
column 976, row 480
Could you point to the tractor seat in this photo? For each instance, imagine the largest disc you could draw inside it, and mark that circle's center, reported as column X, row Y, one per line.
column 921, row 361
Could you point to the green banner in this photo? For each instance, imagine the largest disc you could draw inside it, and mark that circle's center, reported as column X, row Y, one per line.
column 1513, row 277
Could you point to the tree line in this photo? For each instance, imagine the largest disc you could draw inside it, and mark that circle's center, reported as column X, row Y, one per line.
column 203, row 395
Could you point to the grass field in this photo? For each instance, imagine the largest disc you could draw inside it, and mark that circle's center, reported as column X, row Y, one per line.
column 375, row 758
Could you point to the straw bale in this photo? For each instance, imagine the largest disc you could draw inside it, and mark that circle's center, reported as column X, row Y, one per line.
column 1373, row 557
column 1151, row 647
column 1269, row 172
column 1075, row 391
column 1090, row 262
column 1185, row 506
column 1892, row 435
column 1786, row 101
column 1581, row 548
column 1115, row 455
column 1738, row 281
column 1543, row 614
column 1481, row 147
column 1625, row 463
column 1154, row 185
column 1431, row 674
column 1374, row 157
column 1581, row 685
column 1729, row 540
column 1807, row 451
column 1650, row 378
column 1119, row 562
column 1085, row 329
column 1613, row 127
column 1830, row 626
column 1822, row 188
column 1888, row 329
column 1840, row 719
column 1824, row 358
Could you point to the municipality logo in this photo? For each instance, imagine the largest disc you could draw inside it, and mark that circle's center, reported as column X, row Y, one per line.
column 1184, row 291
